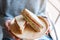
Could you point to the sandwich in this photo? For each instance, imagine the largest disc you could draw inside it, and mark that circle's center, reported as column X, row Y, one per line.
column 18, row 24
column 33, row 20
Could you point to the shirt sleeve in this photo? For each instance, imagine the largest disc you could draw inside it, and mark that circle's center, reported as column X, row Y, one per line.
column 42, row 8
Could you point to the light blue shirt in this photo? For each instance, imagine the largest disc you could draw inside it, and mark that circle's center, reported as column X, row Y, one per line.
column 14, row 7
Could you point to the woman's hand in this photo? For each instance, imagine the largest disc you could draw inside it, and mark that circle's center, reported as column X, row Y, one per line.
column 7, row 23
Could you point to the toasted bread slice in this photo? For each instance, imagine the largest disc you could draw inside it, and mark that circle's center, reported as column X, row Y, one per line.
column 33, row 20
column 18, row 24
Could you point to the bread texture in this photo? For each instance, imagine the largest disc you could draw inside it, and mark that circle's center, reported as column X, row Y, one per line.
column 33, row 20
column 18, row 24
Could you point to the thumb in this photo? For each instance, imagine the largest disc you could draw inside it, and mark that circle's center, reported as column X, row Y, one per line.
column 7, row 24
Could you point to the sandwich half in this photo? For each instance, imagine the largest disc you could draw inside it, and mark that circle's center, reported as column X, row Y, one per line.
column 18, row 24
column 33, row 20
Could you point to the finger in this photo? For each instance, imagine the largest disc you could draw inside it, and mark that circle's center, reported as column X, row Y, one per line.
column 7, row 24
column 47, row 32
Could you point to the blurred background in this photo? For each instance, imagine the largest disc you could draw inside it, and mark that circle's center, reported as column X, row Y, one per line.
column 53, row 11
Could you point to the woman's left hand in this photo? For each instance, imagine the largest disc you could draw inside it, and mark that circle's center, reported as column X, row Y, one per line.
column 7, row 24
